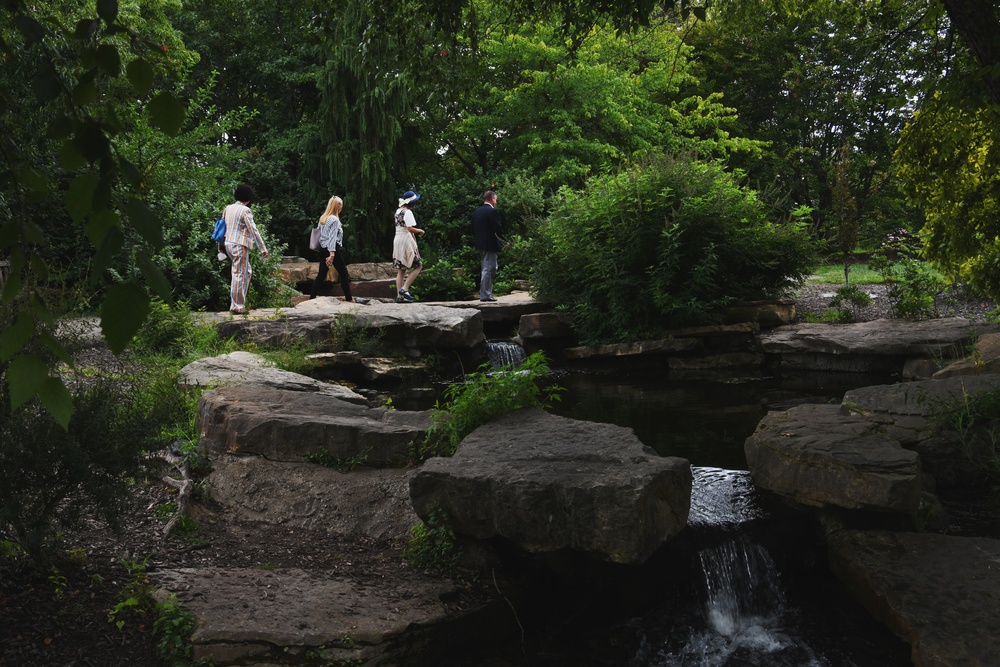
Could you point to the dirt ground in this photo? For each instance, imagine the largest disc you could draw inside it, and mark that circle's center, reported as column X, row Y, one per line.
column 60, row 617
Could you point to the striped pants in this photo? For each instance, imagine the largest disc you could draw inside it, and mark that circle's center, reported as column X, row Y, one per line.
column 240, row 283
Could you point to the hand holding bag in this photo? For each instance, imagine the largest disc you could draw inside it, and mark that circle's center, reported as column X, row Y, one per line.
column 314, row 243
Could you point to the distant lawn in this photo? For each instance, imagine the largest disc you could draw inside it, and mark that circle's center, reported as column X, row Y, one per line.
column 834, row 273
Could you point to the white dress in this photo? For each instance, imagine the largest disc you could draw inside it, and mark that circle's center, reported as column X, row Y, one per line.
column 405, row 254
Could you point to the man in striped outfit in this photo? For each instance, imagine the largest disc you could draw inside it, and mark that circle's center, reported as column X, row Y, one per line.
column 241, row 234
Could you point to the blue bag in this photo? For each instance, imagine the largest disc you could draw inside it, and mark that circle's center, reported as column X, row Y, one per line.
column 219, row 233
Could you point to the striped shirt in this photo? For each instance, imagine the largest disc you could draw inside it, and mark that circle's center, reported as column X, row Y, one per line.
column 240, row 228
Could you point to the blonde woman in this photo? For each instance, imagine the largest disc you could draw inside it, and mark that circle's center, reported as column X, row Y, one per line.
column 331, row 237
column 405, row 254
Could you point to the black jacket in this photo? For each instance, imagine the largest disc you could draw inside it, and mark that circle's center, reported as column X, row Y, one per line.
column 485, row 228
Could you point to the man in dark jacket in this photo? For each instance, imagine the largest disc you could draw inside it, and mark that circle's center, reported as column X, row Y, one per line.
column 486, row 229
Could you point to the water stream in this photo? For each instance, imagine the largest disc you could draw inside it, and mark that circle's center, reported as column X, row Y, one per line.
column 748, row 583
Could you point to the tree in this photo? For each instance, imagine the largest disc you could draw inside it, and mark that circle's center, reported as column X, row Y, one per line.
column 806, row 77
column 77, row 74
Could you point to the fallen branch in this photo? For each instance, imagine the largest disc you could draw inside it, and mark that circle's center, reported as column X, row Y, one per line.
column 184, row 486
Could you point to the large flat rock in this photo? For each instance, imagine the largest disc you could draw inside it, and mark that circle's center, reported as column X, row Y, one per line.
column 875, row 345
column 549, row 483
column 816, row 456
column 940, row 594
column 292, row 616
column 246, row 367
column 365, row 502
column 409, row 325
column 284, row 425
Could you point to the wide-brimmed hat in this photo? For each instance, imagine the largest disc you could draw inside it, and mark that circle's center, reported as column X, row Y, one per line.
column 410, row 196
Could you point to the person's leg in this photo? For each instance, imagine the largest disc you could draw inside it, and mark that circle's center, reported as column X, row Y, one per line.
column 320, row 278
column 345, row 279
column 414, row 272
column 240, row 282
column 487, row 275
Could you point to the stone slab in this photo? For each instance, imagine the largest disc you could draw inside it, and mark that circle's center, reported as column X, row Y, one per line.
column 941, row 594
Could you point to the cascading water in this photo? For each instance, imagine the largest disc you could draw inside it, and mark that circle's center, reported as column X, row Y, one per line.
column 504, row 353
column 739, row 613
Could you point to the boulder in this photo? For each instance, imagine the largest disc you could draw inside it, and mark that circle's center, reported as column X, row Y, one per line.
column 246, row 616
column 245, row 367
column 640, row 348
column 985, row 359
column 766, row 313
column 816, row 456
column 941, row 594
column 879, row 345
column 549, row 483
column 410, row 325
column 286, row 425
column 365, row 502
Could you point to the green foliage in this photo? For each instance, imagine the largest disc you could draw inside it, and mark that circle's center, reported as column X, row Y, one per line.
column 663, row 244
column 912, row 283
column 483, row 396
column 172, row 629
column 949, row 161
column 432, row 545
column 848, row 300
column 136, row 596
column 338, row 463
column 349, row 332
column 975, row 419
column 448, row 280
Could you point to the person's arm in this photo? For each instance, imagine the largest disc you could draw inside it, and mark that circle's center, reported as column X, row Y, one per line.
column 328, row 237
column 257, row 238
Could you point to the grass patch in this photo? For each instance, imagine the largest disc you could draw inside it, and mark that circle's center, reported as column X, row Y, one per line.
column 861, row 274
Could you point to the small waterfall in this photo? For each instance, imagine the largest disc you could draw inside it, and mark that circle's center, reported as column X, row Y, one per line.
column 739, row 615
column 504, row 353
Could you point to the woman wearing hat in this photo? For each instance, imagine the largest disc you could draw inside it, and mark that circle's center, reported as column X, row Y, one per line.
column 405, row 254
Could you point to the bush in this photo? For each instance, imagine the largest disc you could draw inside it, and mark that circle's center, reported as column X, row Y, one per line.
column 483, row 396
column 50, row 476
column 912, row 283
column 663, row 244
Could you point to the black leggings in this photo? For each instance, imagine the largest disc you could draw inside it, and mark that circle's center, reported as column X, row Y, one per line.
column 341, row 266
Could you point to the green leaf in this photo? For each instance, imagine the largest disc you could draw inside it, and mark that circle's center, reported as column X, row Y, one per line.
column 144, row 221
column 10, row 233
column 12, row 287
column 61, row 127
column 125, row 309
column 85, row 28
column 107, row 10
column 109, row 60
column 57, row 401
column 37, row 184
column 92, row 142
column 16, row 336
column 130, row 172
column 109, row 248
column 25, row 376
column 80, row 196
column 70, row 158
column 38, row 267
column 167, row 113
column 33, row 234
column 140, row 75
column 56, row 347
column 30, row 28
column 100, row 224
column 155, row 277
column 46, row 87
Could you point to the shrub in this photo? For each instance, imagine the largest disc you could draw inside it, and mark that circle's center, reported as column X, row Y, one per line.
column 432, row 545
column 483, row 396
column 847, row 301
column 912, row 283
column 666, row 243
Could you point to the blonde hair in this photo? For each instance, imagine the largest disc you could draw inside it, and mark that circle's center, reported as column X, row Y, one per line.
column 333, row 207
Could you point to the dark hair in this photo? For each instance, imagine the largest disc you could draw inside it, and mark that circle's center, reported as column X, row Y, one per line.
column 489, row 194
column 244, row 193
